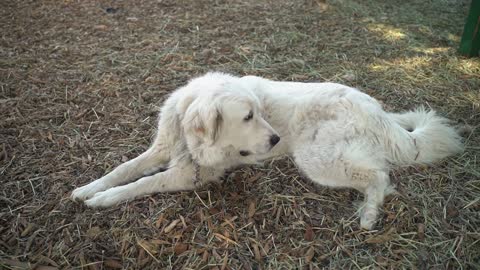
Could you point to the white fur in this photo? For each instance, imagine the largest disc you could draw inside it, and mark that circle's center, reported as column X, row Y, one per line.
column 338, row 136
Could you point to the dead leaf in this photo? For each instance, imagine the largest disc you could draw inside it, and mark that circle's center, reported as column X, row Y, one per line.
column 256, row 252
column 381, row 260
column 222, row 237
column 225, row 261
column 251, row 209
column 267, row 246
column 94, row 232
column 149, row 247
column 15, row 263
column 81, row 256
column 213, row 211
column 159, row 221
column 391, row 216
column 309, row 235
column 183, row 222
column 216, row 255
column 421, row 231
column 234, row 196
column 46, row 259
column 171, row 226
column 254, row 178
column 93, row 266
column 100, row 27
column 210, row 224
column 309, row 255
column 180, row 248
column 382, row 238
column 149, row 79
column 245, row 49
column 205, row 256
column 27, row 230
column 452, row 211
column 111, row 263
column 50, row 137
column 159, row 242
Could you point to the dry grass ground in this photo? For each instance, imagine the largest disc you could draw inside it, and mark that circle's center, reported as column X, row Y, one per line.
column 80, row 86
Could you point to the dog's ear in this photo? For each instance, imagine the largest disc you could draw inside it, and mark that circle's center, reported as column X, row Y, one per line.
column 203, row 118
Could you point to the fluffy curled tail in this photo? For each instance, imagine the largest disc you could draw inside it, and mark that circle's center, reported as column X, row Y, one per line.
column 420, row 137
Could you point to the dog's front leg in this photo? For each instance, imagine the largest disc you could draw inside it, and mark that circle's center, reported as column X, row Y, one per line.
column 175, row 179
column 124, row 173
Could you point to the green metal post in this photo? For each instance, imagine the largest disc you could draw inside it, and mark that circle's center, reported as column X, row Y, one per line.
column 470, row 43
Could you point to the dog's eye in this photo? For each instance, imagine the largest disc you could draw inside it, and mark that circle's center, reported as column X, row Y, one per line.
column 249, row 116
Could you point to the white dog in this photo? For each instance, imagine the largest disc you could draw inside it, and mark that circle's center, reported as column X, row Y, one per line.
column 338, row 136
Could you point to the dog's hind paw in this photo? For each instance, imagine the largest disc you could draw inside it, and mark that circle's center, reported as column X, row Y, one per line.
column 368, row 217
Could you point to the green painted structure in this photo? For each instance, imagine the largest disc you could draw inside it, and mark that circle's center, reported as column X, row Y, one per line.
column 470, row 43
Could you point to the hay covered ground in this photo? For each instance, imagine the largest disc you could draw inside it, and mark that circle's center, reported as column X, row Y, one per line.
column 80, row 86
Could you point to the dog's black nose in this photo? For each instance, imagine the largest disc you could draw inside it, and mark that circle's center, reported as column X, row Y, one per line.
column 274, row 139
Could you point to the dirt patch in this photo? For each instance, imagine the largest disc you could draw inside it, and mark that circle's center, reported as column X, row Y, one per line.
column 80, row 87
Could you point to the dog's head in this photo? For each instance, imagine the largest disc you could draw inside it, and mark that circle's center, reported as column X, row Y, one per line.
column 223, row 123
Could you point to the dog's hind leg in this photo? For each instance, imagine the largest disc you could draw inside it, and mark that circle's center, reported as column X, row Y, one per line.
column 377, row 188
column 353, row 165
column 366, row 170
column 152, row 160
column 177, row 178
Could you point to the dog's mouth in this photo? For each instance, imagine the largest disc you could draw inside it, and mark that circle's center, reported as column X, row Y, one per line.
column 246, row 153
column 273, row 140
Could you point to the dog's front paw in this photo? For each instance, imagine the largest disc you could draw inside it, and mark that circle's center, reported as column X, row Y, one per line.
column 87, row 192
column 108, row 198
